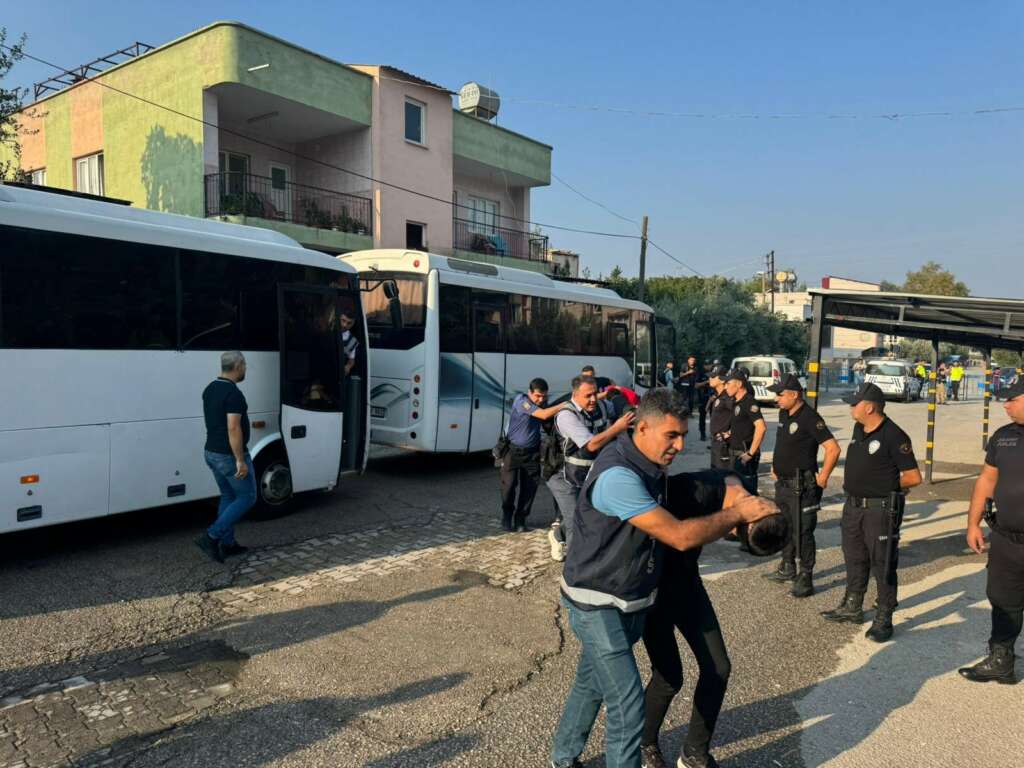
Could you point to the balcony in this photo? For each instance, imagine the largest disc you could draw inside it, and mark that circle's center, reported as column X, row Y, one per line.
column 474, row 237
column 242, row 196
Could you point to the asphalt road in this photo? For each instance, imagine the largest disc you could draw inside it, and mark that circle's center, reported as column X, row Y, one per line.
column 392, row 623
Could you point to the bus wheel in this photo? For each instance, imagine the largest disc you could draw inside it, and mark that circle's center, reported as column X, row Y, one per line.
column 273, row 485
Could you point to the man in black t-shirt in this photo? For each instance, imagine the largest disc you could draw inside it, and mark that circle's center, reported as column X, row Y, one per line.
column 227, row 455
column 1002, row 480
column 879, row 463
column 798, row 483
column 747, row 429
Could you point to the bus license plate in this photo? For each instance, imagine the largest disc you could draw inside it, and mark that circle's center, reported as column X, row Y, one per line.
column 378, row 412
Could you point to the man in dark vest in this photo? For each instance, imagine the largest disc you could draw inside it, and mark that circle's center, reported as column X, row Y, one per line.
column 613, row 567
column 583, row 427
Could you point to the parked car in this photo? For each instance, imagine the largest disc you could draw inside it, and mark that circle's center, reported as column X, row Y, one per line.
column 765, row 370
column 895, row 378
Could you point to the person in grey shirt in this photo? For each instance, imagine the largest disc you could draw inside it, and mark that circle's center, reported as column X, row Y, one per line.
column 583, row 428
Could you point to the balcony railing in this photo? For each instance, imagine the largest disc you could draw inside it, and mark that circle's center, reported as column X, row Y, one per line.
column 246, row 194
column 498, row 241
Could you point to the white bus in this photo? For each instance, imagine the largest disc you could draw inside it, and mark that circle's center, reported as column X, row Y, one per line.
column 474, row 335
column 112, row 321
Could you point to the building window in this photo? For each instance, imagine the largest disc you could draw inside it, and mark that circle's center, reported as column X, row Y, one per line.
column 482, row 214
column 89, row 174
column 415, row 121
column 415, row 236
column 39, row 177
column 234, row 168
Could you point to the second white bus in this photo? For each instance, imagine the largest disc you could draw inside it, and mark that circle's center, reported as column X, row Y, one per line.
column 474, row 335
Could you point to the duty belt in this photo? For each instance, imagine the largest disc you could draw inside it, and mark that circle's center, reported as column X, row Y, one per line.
column 786, row 479
column 875, row 502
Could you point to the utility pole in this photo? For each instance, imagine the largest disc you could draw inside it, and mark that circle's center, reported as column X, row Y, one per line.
column 771, row 277
column 643, row 256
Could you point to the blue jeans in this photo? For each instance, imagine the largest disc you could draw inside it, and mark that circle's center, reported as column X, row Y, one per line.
column 236, row 496
column 607, row 673
column 565, row 495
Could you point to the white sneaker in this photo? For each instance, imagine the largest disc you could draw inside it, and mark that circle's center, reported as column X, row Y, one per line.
column 557, row 545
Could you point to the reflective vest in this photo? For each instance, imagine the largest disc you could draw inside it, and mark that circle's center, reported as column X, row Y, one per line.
column 579, row 460
column 612, row 563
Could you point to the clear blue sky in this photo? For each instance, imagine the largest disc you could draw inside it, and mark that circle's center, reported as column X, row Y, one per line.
column 865, row 198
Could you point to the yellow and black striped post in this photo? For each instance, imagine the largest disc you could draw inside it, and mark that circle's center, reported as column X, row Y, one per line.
column 814, row 353
column 986, row 397
column 929, row 446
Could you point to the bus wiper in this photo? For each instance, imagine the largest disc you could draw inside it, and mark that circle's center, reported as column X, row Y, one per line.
column 215, row 328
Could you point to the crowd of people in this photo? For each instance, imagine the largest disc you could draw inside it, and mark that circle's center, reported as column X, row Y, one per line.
column 630, row 535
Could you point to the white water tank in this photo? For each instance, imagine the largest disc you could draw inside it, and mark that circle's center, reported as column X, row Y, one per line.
column 476, row 100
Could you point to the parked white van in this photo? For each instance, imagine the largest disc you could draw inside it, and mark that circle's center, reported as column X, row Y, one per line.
column 765, row 370
column 895, row 378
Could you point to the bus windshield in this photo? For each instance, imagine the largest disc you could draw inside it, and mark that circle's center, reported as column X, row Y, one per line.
column 412, row 292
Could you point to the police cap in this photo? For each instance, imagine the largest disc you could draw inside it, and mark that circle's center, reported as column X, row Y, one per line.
column 737, row 374
column 866, row 391
column 718, row 372
column 791, row 382
column 1014, row 390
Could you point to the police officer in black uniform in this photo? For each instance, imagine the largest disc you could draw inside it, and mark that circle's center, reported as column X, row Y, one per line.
column 719, row 418
column 1002, row 480
column 746, row 430
column 880, row 467
column 798, row 483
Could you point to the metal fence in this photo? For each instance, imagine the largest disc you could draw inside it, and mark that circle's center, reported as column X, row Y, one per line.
column 498, row 241
column 246, row 194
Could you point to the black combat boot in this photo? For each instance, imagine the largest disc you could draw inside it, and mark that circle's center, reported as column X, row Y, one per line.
column 881, row 628
column 785, row 572
column 803, row 586
column 997, row 666
column 851, row 610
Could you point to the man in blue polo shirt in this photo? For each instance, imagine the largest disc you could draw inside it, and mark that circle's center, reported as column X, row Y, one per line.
column 613, row 567
column 520, row 466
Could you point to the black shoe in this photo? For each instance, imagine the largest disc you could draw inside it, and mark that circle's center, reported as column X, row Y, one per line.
column 785, row 572
column 233, row 550
column 506, row 522
column 803, row 586
column 520, row 524
column 651, row 757
column 997, row 667
column 881, row 628
column 688, row 760
column 210, row 547
column 850, row 611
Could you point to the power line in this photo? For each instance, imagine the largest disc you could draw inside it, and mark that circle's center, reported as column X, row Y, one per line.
column 680, row 262
column 315, row 160
column 598, row 203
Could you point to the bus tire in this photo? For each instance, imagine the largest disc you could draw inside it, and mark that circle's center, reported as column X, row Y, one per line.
column 273, row 485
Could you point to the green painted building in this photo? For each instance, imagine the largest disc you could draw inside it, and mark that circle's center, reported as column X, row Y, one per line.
column 233, row 123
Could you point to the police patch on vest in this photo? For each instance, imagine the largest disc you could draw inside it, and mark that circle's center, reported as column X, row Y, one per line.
column 820, row 425
column 793, row 428
column 873, row 447
column 754, row 409
column 905, row 448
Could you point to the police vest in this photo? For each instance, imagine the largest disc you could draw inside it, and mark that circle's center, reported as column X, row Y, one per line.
column 579, row 460
column 612, row 563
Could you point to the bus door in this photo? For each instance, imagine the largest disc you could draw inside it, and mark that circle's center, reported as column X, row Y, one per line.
column 311, row 384
column 643, row 353
column 488, row 399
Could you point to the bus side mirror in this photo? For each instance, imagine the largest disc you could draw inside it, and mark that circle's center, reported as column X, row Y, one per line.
column 394, row 304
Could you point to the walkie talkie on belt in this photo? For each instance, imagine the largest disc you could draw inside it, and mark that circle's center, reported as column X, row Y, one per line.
column 989, row 515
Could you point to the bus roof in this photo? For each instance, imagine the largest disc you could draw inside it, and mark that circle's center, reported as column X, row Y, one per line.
column 39, row 209
column 499, row 278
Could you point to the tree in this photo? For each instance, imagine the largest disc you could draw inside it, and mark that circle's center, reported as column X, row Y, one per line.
column 10, row 109
column 934, row 279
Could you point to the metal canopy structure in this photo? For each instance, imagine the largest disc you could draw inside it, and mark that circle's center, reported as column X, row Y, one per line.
column 981, row 323
column 69, row 77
